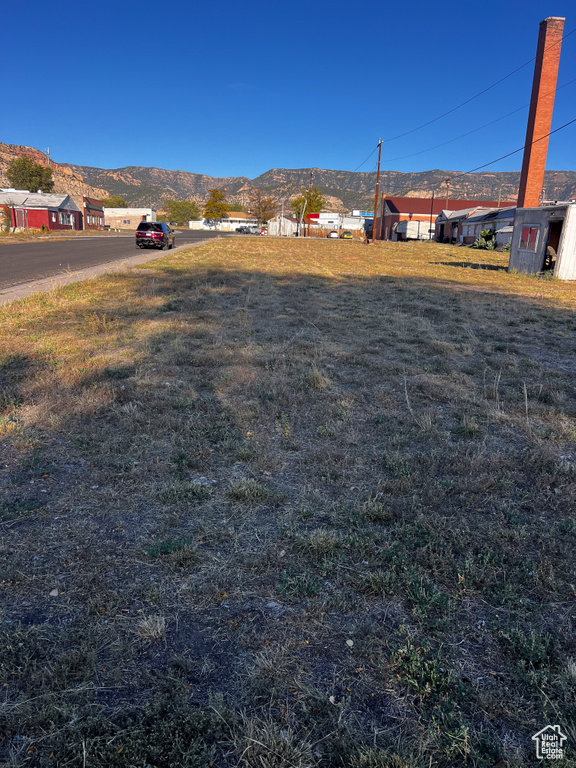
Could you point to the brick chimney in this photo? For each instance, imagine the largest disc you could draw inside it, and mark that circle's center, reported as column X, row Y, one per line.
column 541, row 108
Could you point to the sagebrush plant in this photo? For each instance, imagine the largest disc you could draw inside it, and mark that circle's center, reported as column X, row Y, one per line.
column 288, row 503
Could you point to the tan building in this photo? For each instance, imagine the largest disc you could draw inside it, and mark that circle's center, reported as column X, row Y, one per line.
column 127, row 218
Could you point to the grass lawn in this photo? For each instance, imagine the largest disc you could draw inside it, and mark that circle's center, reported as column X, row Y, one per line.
column 285, row 504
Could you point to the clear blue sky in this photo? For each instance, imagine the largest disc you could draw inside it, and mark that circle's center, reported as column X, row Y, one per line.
column 234, row 89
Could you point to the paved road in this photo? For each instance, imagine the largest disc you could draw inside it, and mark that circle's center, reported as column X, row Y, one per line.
column 25, row 262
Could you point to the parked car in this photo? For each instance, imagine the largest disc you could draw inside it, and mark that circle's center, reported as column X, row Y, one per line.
column 154, row 234
column 333, row 233
column 346, row 235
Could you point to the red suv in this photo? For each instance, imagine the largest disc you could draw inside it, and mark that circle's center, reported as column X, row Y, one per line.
column 154, row 234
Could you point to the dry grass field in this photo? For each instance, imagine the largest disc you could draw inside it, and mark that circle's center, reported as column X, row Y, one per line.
column 287, row 504
column 37, row 236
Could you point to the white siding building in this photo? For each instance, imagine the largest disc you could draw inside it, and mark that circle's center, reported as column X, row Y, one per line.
column 282, row 226
column 230, row 224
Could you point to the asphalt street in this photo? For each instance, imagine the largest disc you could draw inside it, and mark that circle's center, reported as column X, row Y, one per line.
column 25, row 262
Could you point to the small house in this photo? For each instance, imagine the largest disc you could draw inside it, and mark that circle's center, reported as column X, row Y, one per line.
column 34, row 210
column 231, row 223
column 450, row 224
column 282, row 226
column 236, row 219
column 93, row 213
column 499, row 220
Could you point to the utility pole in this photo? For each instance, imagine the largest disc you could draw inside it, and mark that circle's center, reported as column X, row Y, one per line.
column 309, row 203
column 302, row 218
column 377, row 185
column 48, row 156
column 431, row 214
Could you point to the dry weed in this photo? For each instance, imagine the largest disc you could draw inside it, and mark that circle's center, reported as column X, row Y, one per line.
column 152, row 628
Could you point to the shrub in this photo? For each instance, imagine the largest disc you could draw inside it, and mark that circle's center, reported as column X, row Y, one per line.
column 6, row 218
column 486, row 241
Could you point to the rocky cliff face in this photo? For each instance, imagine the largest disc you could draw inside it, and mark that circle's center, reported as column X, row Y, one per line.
column 66, row 181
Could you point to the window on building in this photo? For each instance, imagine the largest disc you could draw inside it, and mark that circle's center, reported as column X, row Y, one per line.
column 64, row 218
column 53, row 216
column 529, row 238
column 126, row 221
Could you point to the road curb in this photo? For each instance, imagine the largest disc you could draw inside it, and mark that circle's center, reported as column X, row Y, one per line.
column 22, row 291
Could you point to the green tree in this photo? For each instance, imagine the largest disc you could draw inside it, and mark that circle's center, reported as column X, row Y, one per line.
column 236, row 208
column 24, row 173
column 261, row 207
column 181, row 211
column 215, row 208
column 115, row 201
column 308, row 204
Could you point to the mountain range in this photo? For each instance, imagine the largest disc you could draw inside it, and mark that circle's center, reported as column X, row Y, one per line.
column 343, row 190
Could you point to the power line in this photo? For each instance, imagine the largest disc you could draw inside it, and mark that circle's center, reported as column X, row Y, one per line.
column 510, row 154
column 481, row 93
column 459, row 106
column 472, row 98
column 368, row 158
column 474, row 130
column 515, row 152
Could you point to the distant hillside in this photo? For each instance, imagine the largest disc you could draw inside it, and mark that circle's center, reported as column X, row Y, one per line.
column 150, row 186
column 343, row 190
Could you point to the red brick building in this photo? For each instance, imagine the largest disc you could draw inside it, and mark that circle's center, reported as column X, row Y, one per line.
column 395, row 210
column 92, row 213
column 34, row 210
